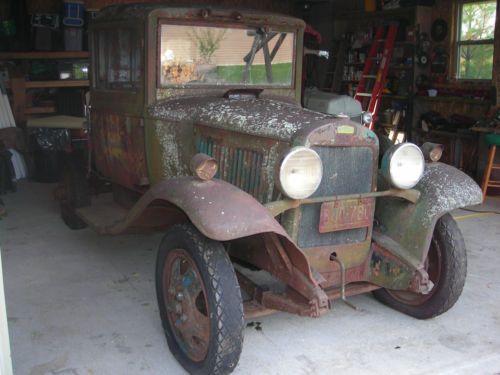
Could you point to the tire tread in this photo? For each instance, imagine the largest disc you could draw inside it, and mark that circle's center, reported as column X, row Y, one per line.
column 228, row 306
column 449, row 290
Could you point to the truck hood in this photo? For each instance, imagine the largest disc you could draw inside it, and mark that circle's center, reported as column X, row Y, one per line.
column 255, row 116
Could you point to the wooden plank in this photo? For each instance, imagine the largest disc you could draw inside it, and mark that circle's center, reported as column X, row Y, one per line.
column 39, row 110
column 44, row 55
column 17, row 85
column 57, row 83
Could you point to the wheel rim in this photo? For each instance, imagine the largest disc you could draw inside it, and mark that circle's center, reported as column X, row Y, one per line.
column 432, row 265
column 186, row 304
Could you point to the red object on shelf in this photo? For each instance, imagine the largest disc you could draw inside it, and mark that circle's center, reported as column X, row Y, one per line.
column 362, row 95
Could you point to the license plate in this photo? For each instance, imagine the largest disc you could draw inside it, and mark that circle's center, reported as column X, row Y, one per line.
column 346, row 214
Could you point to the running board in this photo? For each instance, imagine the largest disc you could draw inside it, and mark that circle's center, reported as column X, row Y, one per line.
column 106, row 216
column 103, row 213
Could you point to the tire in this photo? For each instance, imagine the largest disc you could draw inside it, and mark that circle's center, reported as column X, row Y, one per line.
column 210, row 312
column 74, row 192
column 447, row 268
column 384, row 143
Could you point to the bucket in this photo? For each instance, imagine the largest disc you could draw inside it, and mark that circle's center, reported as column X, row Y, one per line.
column 74, row 13
column 370, row 5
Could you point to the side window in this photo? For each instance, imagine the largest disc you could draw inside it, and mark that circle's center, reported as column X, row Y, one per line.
column 476, row 28
column 119, row 61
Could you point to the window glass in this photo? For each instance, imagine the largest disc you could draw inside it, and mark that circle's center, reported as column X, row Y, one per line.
column 478, row 20
column 101, row 60
column 475, row 40
column 119, row 59
column 193, row 56
column 476, row 61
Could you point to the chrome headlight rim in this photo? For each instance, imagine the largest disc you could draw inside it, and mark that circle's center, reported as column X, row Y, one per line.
column 391, row 156
column 293, row 152
column 366, row 118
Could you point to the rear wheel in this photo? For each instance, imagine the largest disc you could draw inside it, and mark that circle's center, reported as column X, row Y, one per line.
column 446, row 265
column 73, row 192
column 199, row 301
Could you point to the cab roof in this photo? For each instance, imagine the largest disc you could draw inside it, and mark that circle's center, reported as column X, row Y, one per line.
column 206, row 13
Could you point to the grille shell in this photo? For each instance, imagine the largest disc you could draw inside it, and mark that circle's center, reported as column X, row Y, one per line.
column 346, row 170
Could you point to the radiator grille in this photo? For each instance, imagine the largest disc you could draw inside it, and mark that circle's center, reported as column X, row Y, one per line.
column 346, row 170
column 238, row 166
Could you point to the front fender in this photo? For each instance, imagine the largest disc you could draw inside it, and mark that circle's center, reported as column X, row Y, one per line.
column 218, row 209
column 443, row 188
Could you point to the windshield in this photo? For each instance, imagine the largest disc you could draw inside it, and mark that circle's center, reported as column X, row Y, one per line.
column 196, row 56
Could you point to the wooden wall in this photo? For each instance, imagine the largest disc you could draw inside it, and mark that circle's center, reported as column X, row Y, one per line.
column 496, row 60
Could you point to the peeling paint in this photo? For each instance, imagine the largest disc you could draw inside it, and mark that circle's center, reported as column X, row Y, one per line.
column 171, row 160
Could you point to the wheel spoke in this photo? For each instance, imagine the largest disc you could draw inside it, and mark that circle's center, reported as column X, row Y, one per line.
column 186, row 303
column 175, row 273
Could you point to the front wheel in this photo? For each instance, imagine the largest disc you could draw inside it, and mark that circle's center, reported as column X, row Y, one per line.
column 199, row 301
column 446, row 265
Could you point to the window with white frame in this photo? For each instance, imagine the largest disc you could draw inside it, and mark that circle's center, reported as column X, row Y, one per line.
column 476, row 28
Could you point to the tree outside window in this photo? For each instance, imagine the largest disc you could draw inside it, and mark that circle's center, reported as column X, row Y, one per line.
column 475, row 40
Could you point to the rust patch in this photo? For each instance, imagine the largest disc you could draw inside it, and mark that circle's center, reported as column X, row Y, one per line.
column 119, row 148
column 388, row 270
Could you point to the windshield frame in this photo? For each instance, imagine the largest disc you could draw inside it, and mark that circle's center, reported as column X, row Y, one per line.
column 281, row 28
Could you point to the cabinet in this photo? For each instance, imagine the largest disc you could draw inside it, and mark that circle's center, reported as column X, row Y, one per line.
column 20, row 87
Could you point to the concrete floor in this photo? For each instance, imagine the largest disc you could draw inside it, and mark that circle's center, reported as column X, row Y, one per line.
column 83, row 304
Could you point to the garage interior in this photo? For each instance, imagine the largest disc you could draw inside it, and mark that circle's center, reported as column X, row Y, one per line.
column 78, row 302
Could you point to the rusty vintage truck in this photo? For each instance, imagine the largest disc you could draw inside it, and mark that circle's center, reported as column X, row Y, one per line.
column 196, row 127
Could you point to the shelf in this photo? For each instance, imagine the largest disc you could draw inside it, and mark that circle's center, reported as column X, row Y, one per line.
column 455, row 99
column 395, row 97
column 404, row 43
column 54, row 84
column 57, row 83
column 462, row 134
column 401, row 67
column 363, row 16
column 40, row 55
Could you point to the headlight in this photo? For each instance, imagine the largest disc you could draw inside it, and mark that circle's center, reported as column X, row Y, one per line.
column 366, row 118
column 403, row 165
column 300, row 173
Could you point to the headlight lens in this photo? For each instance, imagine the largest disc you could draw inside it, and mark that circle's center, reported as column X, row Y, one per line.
column 403, row 165
column 300, row 173
column 366, row 118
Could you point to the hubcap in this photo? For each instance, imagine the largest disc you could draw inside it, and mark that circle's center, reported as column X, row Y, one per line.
column 433, row 267
column 186, row 304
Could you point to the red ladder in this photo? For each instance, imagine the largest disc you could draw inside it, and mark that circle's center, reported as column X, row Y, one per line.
column 376, row 94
